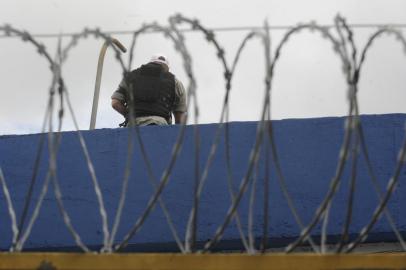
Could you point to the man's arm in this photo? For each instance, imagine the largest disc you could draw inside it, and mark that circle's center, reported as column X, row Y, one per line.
column 180, row 117
column 119, row 107
column 179, row 111
column 119, row 98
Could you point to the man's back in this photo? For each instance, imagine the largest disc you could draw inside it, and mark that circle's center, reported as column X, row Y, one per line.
column 152, row 94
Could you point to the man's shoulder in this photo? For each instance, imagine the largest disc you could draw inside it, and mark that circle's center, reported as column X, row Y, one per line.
column 135, row 70
column 178, row 82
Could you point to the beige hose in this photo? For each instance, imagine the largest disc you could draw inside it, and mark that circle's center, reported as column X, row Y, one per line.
column 98, row 78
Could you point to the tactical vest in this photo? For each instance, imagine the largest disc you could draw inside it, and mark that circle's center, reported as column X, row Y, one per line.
column 153, row 90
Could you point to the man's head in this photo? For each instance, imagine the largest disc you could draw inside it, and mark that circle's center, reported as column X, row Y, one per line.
column 160, row 59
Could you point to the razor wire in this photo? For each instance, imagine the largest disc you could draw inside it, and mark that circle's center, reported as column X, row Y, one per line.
column 18, row 241
column 75, row 39
column 350, row 125
column 228, row 75
column 165, row 176
column 10, row 207
column 209, row 35
column 353, row 144
column 401, row 155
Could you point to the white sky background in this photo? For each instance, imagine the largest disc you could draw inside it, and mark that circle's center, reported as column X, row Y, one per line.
column 308, row 80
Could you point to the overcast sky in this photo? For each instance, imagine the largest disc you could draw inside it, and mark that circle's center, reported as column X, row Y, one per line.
column 308, row 80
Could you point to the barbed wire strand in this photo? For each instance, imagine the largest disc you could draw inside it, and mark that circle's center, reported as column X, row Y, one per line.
column 347, row 40
column 344, row 148
column 151, row 203
column 267, row 49
column 251, row 208
column 172, row 161
column 351, row 193
column 228, row 75
column 336, row 46
column 245, row 181
column 41, row 50
column 230, row 177
column 177, row 19
column 107, row 248
column 264, row 240
column 219, row 232
column 53, row 149
column 158, row 190
column 20, row 242
column 283, row 185
column 323, row 238
column 378, row 211
column 180, row 46
column 376, row 186
column 333, row 186
column 28, row 196
column 393, row 180
column 127, row 171
column 106, row 234
column 178, row 39
column 54, row 143
column 90, row 166
column 280, row 176
column 358, row 123
column 190, row 242
column 142, row 147
column 160, row 200
column 342, row 24
column 268, row 59
column 243, row 186
column 223, row 29
column 10, row 207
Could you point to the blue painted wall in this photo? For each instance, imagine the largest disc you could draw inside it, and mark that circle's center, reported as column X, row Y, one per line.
column 308, row 151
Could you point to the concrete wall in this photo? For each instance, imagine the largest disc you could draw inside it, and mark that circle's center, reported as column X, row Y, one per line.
column 308, row 151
